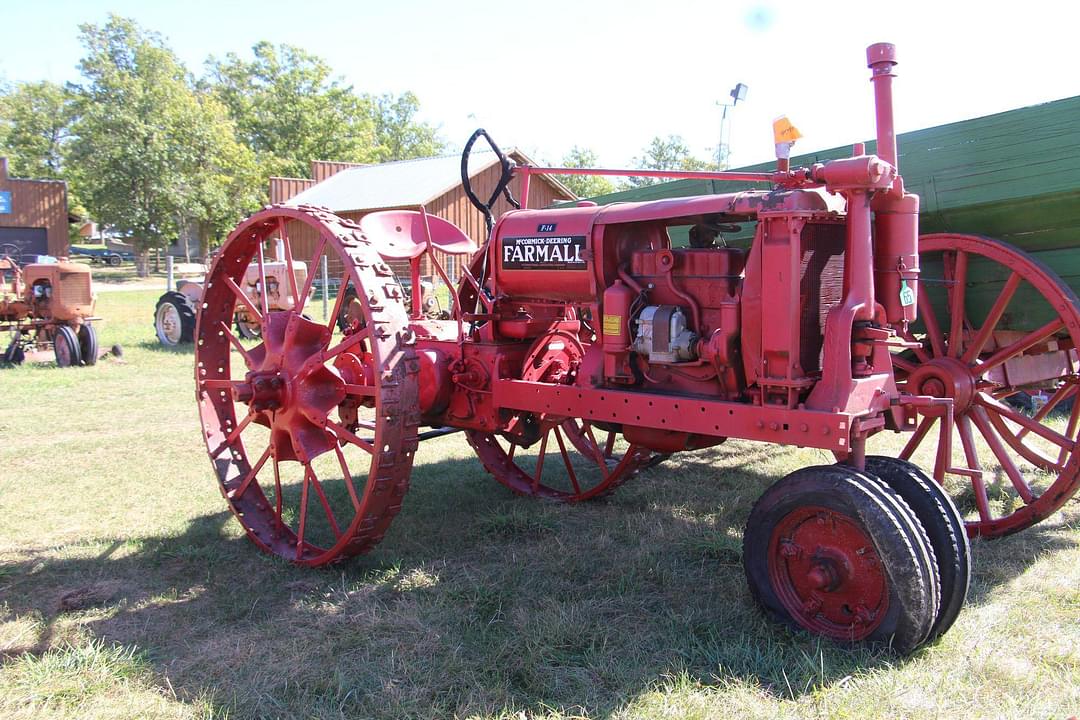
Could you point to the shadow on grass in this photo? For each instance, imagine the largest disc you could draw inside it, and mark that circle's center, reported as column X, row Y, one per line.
column 476, row 602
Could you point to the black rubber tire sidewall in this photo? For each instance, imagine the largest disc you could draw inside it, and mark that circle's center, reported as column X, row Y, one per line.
column 944, row 526
column 88, row 344
column 909, row 613
column 66, row 335
column 184, row 309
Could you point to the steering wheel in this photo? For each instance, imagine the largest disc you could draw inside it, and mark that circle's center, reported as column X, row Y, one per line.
column 502, row 187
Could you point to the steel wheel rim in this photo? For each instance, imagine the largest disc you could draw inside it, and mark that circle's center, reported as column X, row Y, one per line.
column 295, row 383
column 169, row 324
column 827, row 574
column 573, row 461
column 1015, row 443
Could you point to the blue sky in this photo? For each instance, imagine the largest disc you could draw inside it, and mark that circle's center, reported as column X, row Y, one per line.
column 611, row 75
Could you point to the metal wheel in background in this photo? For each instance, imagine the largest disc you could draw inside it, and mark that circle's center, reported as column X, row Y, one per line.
column 990, row 318
column 311, row 434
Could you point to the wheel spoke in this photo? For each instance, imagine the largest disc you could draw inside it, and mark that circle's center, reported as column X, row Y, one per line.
column 1029, row 453
column 312, row 268
column 905, row 365
column 941, row 457
column 1024, row 421
column 992, row 319
column 978, row 416
column 956, row 303
column 345, row 344
column 286, row 247
column 362, row 390
column 263, row 299
column 344, row 434
column 342, row 285
column 1060, row 395
column 540, row 461
column 600, row 458
column 917, row 437
column 1032, row 338
column 248, row 360
column 347, row 476
column 967, row 439
column 1070, row 429
column 609, row 444
column 303, row 514
column 566, row 461
column 242, row 297
column 920, row 353
column 239, row 492
column 231, row 438
column 277, row 488
column 933, row 329
column 326, row 506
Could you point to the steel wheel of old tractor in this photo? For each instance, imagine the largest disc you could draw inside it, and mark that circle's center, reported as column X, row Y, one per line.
column 174, row 319
column 990, row 316
column 311, row 433
column 569, row 461
column 66, row 347
column 833, row 551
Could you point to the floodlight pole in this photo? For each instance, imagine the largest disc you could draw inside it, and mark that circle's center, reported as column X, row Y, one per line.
column 737, row 93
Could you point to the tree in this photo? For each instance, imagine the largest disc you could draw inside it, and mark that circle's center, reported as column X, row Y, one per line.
column 666, row 154
column 226, row 182
column 289, row 111
column 397, row 134
column 584, row 186
column 147, row 153
column 35, row 123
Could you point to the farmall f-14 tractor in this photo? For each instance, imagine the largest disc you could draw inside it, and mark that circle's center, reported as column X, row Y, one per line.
column 583, row 346
column 47, row 305
column 174, row 315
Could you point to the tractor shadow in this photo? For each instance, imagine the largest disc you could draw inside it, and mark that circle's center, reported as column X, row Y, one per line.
column 476, row 600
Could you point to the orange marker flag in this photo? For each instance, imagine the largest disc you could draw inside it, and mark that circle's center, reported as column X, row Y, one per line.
column 784, row 131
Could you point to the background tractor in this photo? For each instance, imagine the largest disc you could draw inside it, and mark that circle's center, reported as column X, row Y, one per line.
column 48, row 305
column 174, row 316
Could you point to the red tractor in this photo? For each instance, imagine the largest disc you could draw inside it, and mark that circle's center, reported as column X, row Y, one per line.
column 582, row 346
column 48, row 305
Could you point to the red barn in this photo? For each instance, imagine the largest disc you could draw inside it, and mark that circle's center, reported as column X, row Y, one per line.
column 33, row 216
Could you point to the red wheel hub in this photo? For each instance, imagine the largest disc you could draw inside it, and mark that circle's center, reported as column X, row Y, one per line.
column 945, row 377
column 290, row 390
column 827, row 573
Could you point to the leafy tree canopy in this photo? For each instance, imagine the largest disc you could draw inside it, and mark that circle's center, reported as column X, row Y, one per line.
column 584, row 186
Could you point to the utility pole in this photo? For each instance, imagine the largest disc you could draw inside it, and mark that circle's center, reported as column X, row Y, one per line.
column 723, row 147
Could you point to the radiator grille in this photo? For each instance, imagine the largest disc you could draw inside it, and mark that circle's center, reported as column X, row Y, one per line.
column 821, row 286
column 75, row 289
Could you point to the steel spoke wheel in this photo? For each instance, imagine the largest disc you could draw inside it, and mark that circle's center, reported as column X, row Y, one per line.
column 311, row 432
column 995, row 323
column 568, row 461
column 831, row 551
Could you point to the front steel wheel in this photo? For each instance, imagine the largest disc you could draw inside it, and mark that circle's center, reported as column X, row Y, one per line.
column 311, row 432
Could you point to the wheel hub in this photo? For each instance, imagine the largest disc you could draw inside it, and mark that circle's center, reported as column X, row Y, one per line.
column 944, row 377
column 290, row 390
column 827, row 573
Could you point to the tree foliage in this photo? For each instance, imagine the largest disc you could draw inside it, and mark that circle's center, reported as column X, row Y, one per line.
column 669, row 153
column 35, row 120
column 584, row 186
column 151, row 155
column 290, row 110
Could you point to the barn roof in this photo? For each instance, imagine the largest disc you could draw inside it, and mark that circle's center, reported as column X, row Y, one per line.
column 403, row 183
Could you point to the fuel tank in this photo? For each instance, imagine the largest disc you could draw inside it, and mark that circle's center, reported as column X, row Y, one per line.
column 546, row 254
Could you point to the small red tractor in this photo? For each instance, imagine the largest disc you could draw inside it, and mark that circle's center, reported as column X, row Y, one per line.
column 583, row 346
column 47, row 305
column 174, row 315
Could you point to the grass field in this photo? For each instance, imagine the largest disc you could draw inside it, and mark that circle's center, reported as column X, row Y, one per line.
column 128, row 591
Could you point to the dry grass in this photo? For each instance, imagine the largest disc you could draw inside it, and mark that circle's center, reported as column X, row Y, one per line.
column 476, row 604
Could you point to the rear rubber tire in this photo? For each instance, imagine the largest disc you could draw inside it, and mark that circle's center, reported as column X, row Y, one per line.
column 174, row 319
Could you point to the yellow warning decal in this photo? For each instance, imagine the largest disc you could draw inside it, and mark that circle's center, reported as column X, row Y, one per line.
column 612, row 324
